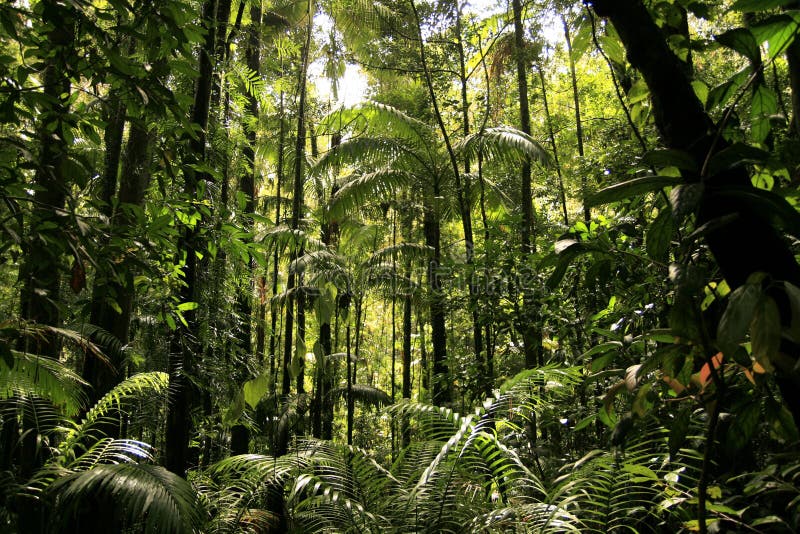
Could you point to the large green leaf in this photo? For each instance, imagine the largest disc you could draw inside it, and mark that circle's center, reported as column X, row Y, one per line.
column 632, row 188
column 741, row 40
column 737, row 317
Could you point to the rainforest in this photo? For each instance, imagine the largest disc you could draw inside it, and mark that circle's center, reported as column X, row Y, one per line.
column 399, row 266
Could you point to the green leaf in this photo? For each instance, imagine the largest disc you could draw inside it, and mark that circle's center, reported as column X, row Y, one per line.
column 741, row 40
column 644, row 472
column 745, row 422
column 765, row 332
column 185, row 306
column 778, row 31
column 763, row 105
column 759, row 5
column 736, row 155
column 737, row 317
column 670, row 158
column 631, row 188
column 613, row 49
column 659, row 235
column 255, row 389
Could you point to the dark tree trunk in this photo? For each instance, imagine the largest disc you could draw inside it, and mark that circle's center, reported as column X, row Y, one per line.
column 406, row 430
column 183, row 344
column 440, row 390
column 134, row 181
column 528, row 316
column 297, row 203
column 240, row 435
column 40, row 271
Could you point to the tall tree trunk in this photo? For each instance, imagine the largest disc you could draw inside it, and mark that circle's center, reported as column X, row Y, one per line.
column 531, row 336
column 406, row 429
column 350, row 378
column 576, row 99
column 134, row 181
column 240, row 435
column 183, row 343
column 466, row 211
column 275, row 309
column 40, row 270
column 440, row 387
column 552, row 136
column 297, row 199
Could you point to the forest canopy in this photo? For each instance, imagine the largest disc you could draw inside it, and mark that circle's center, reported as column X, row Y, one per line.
column 399, row 266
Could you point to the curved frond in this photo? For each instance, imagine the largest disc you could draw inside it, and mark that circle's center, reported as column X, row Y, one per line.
column 364, row 394
column 107, row 409
column 369, row 187
column 505, row 144
column 30, row 375
column 146, row 497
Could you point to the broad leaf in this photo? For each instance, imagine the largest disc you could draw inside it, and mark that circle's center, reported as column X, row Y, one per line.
column 738, row 314
column 765, row 332
column 659, row 235
column 741, row 40
column 632, row 188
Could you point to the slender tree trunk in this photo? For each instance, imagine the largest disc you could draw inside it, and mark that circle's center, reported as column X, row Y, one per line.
column 240, row 436
column 466, row 211
column 528, row 317
column 441, row 391
column 440, row 387
column 297, row 199
column 576, row 99
column 552, row 136
column 183, row 344
column 406, row 430
column 275, row 310
column 350, row 378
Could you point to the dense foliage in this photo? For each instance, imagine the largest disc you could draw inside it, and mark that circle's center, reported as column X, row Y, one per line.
column 541, row 276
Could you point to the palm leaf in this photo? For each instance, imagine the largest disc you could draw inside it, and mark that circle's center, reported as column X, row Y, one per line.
column 107, row 409
column 36, row 376
column 371, row 187
column 146, row 497
column 505, row 144
column 364, row 394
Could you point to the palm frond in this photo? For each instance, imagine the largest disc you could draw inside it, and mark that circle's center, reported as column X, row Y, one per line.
column 282, row 236
column 37, row 376
column 401, row 252
column 369, row 187
column 505, row 144
column 378, row 151
column 364, row 394
column 107, row 409
column 146, row 497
